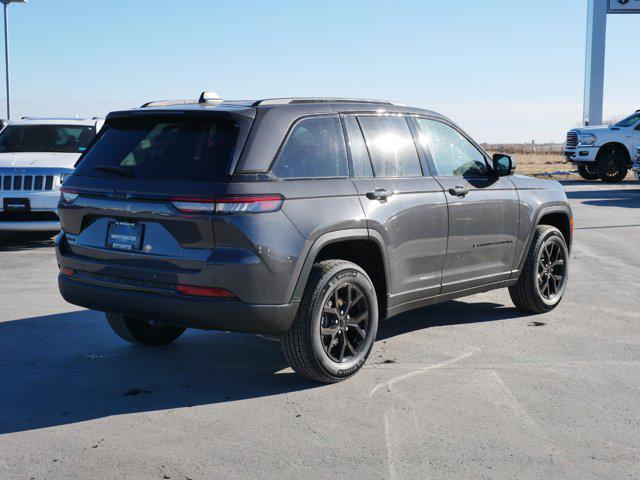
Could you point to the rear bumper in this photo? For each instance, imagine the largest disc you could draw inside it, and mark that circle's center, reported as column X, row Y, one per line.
column 29, row 226
column 192, row 312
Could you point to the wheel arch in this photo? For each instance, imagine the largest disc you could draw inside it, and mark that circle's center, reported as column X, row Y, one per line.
column 559, row 216
column 615, row 145
column 360, row 246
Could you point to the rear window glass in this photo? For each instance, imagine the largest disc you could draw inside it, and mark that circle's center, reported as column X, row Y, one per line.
column 314, row 149
column 197, row 149
column 46, row 138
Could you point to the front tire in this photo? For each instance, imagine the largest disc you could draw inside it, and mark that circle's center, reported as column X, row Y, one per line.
column 588, row 171
column 336, row 324
column 543, row 279
column 612, row 166
column 143, row 332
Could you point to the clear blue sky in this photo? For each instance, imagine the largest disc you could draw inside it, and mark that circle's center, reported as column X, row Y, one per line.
column 506, row 70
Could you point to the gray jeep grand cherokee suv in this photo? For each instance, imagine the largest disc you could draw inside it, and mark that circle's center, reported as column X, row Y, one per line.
column 310, row 219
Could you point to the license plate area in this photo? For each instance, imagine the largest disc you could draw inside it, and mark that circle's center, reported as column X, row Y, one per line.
column 125, row 236
column 16, row 205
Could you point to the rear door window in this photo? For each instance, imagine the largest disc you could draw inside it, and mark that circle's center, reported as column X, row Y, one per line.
column 196, row 148
column 391, row 147
column 314, row 149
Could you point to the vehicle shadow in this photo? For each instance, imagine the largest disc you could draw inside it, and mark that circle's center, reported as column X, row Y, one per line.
column 627, row 198
column 67, row 368
column 13, row 242
column 628, row 180
column 454, row 312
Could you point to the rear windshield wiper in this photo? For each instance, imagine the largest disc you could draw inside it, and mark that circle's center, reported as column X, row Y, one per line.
column 125, row 172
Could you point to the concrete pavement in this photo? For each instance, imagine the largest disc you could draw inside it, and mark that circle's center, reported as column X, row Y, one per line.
column 469, row 389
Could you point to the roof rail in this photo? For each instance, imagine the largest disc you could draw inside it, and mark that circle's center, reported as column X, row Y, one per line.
column 166, row 103
column 205, row 97
column 290, row 101
column 59, row 118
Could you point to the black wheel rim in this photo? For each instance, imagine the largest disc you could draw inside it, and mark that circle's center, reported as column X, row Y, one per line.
column 345, row 323
column 612, row 168
column 590, row 170
column 551, row 270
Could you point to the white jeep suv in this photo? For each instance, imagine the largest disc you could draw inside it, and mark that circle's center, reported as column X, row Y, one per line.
column 604, row 152
column 35, row 156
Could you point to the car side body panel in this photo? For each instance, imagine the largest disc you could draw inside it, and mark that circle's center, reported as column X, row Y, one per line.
column 537, row 198
column 413, row 225
column 483, row 232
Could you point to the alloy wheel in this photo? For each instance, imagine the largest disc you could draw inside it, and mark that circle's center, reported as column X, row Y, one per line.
column 551, row 269
column 345, row 322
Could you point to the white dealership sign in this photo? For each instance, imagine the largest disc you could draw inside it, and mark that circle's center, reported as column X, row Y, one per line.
column 624, row 6
column 594, row 65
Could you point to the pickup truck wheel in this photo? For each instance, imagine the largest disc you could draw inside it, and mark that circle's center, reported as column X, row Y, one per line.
column 143, row 332
column 588, row 171
column 336, row 324
column 612, row 166
column 543, row 280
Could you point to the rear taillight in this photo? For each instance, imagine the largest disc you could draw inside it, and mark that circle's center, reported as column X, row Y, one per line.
column 194, row 205
column 68, row 195
column 249, row 204
column 204, row 291
column 67, row 271
column 229, row 204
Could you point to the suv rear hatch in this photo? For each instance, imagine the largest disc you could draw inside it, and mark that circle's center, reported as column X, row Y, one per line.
column 140, row 195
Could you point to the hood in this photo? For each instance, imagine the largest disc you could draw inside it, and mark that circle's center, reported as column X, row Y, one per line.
column 38, row 160
column 595, row 129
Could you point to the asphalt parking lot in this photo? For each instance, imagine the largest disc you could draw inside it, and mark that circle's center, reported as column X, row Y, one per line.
column 469, row 389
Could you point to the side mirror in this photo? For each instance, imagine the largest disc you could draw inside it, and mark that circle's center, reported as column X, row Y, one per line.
column 503, row 165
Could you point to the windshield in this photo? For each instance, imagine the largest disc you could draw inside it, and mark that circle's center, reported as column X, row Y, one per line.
column 197, row 148
column 46, row 138
column 629, row 121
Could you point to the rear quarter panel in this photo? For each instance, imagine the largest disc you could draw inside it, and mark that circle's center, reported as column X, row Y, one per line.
column 314, row 208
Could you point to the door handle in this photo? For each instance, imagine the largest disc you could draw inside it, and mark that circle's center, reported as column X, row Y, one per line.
column 379, row 194
column 459, row 191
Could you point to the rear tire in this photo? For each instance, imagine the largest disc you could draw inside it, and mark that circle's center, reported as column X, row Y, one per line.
column 543, row 279
column 612, row 166
column 588, row 171
column 336, row 324
column 143, row 332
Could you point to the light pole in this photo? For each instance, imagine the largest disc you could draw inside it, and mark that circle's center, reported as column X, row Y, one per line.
column 6, row 48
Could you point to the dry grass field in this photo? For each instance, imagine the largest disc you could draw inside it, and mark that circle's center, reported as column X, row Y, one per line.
column 538, row 160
